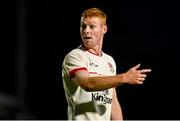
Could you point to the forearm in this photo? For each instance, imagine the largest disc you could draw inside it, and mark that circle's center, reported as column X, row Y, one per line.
column 99, row 83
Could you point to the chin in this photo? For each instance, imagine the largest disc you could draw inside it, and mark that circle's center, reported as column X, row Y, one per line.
column 86, row 46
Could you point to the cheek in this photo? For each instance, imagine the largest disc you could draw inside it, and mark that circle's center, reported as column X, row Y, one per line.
column 81, row 33
column 97, row 33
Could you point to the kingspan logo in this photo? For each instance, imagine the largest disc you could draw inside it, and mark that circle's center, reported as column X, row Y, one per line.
column 102, row 96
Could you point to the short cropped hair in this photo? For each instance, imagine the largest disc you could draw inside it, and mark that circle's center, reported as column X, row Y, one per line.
column 95, row 12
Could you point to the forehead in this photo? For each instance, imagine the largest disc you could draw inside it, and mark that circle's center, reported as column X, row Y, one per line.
column 89, row 20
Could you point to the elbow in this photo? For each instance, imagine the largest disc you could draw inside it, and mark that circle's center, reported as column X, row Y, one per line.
column 87, row 84
column 88, row 87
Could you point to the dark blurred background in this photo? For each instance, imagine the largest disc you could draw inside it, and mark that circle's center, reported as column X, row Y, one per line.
column 41, row 32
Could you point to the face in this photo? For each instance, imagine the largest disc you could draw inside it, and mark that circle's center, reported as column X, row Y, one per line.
column 92, row 31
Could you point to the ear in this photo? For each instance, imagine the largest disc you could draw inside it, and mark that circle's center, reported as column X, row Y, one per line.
column 105, row 29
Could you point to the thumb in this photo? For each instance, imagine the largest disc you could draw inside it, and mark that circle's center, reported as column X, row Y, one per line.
column 137, row 66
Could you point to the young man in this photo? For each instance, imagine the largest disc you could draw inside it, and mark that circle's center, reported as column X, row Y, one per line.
column 89, row 74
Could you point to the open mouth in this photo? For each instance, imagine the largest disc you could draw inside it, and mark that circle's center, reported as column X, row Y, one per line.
column 87, row 38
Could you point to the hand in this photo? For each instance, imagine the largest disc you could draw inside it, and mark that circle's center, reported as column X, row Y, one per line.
column 135, row 76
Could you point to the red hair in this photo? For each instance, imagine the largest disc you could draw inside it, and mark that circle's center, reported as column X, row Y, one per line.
column 95, row 12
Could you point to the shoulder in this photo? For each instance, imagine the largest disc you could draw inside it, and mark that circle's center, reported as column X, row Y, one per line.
column 75, row 54
column 110, row 59
column 107, row 56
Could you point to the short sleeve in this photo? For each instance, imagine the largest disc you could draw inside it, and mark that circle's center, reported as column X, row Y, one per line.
column 74, row 61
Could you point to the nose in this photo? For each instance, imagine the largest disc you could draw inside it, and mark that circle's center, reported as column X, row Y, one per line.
column 86, row 29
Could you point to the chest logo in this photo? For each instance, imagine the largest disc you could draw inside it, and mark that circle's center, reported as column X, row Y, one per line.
column 93, row 64
column 111, row 67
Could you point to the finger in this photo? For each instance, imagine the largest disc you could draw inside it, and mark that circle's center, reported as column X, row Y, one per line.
column 145, row 70
column 143, row 76
column 137, row 66
column 141, row 79
column 139, row 82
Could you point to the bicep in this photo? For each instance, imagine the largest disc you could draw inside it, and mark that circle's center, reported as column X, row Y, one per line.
column 80, row 78
column 116, row 108
column 115, row 100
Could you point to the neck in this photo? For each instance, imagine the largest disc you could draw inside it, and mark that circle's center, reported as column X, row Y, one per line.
column 96, row 50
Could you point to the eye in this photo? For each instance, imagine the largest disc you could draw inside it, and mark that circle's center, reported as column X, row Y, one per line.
column 92, row 26
column 83, row 26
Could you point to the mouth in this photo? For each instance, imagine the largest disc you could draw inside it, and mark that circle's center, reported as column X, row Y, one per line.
column 87, row 37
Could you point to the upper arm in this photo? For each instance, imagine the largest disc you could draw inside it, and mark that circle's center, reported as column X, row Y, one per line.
column 116, row 108
column 75, row 66
column 80, row 78
column 115, row 99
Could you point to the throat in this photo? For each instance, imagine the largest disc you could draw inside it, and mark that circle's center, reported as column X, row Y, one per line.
column 95, row 51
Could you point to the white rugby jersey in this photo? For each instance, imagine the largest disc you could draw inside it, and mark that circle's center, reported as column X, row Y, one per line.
column 83, row 105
